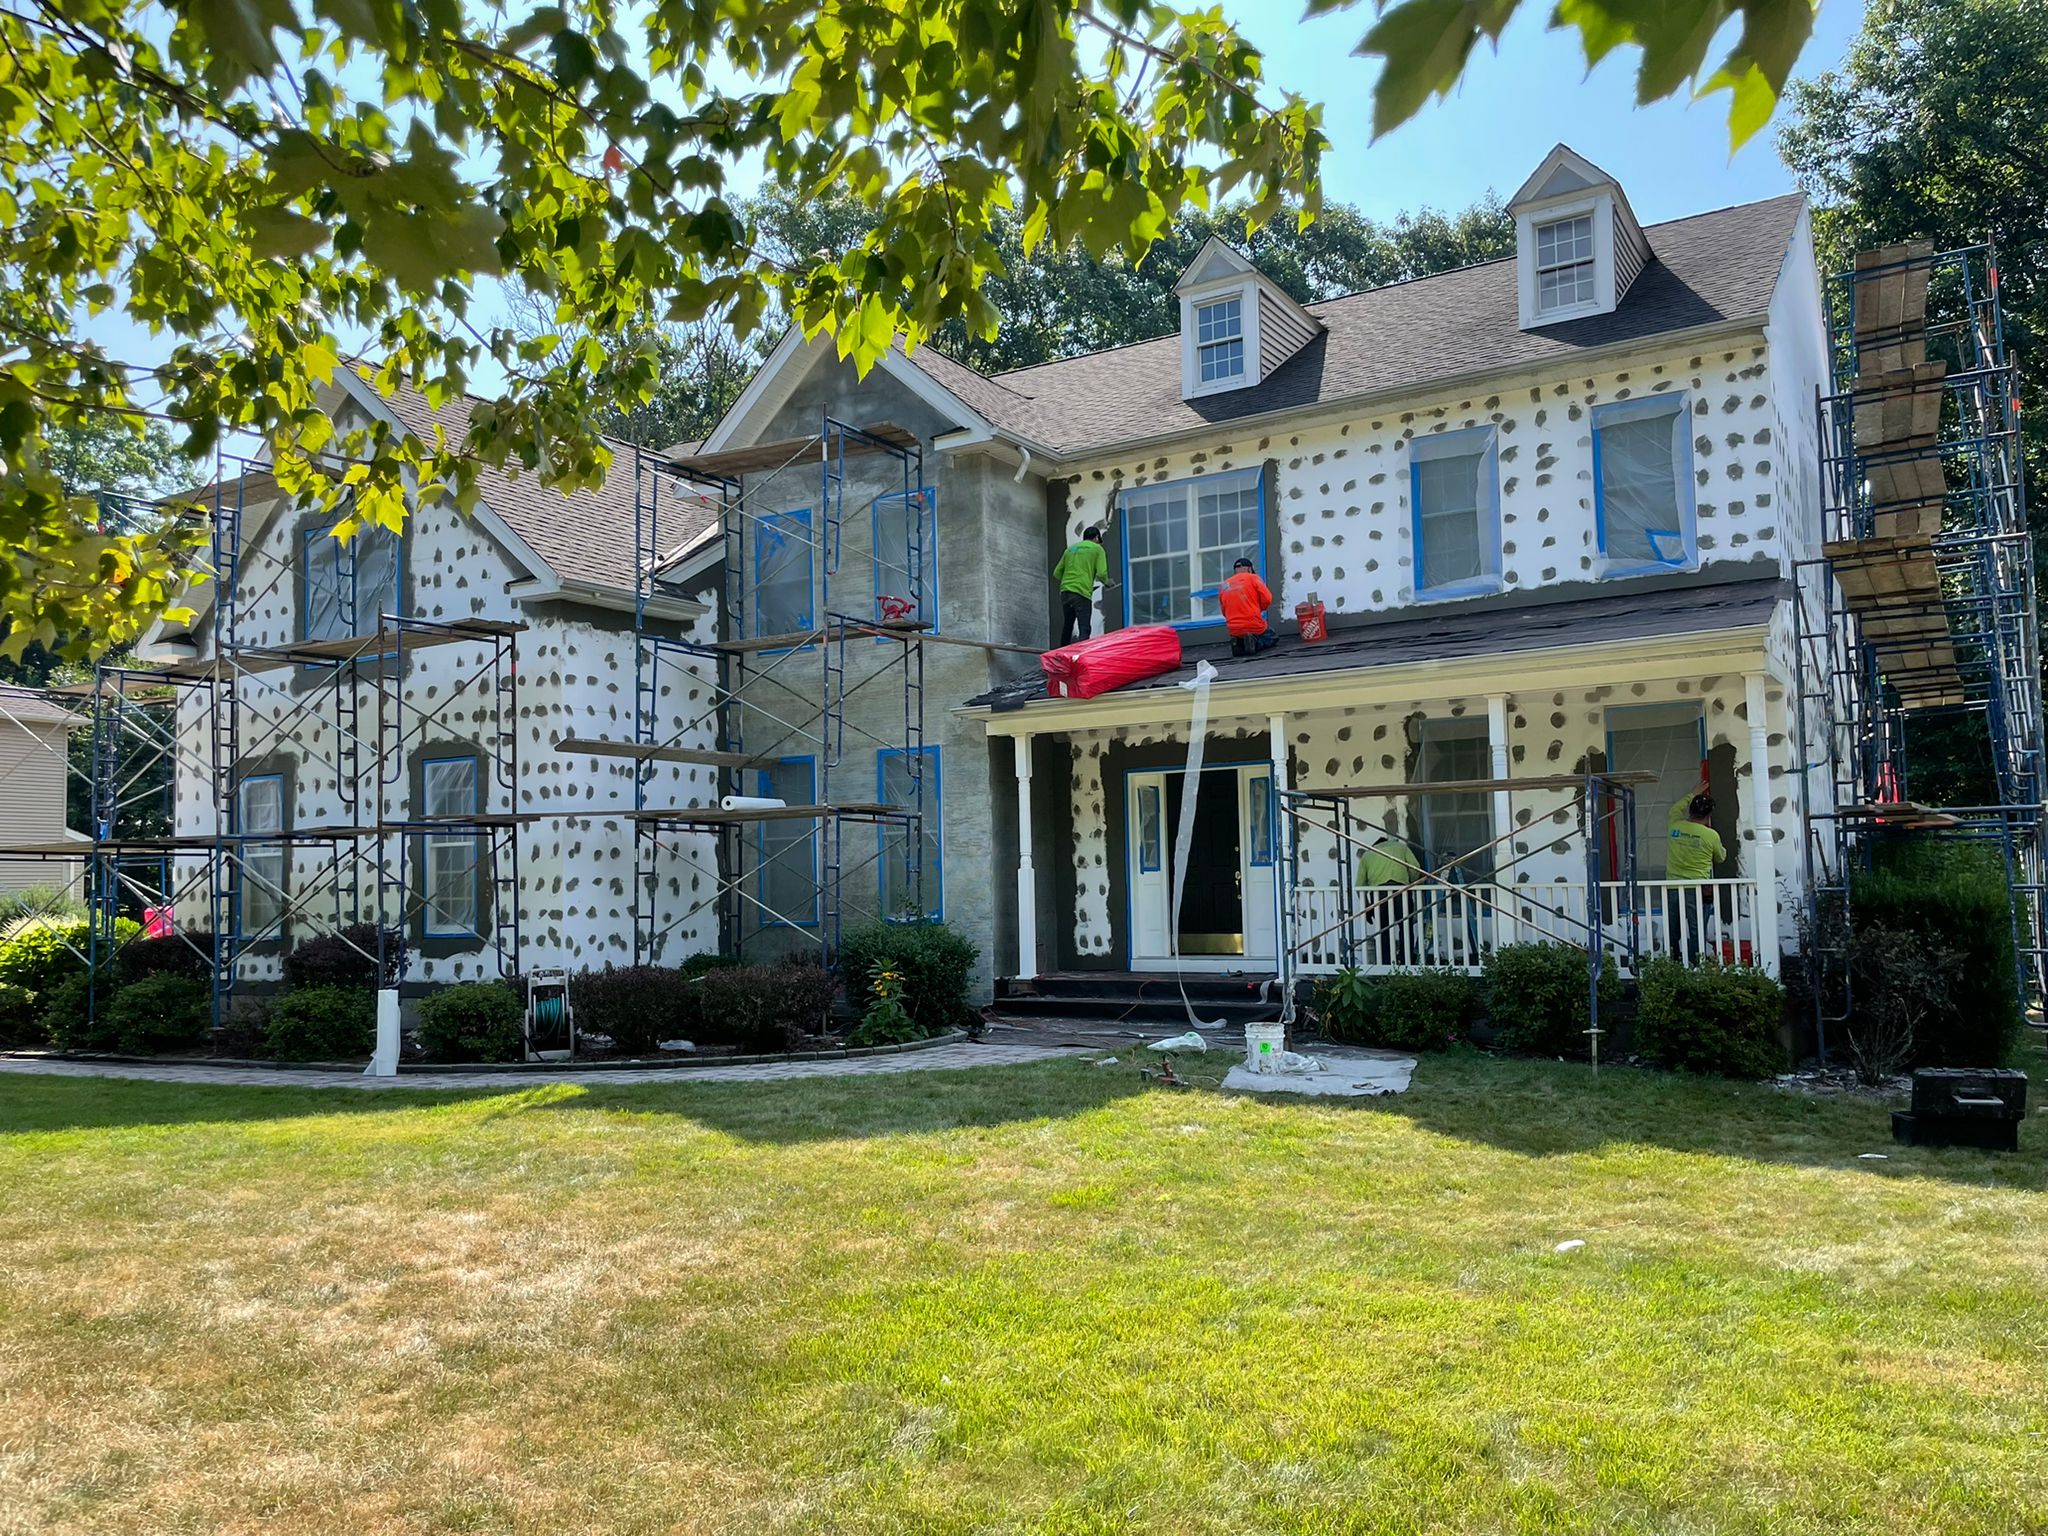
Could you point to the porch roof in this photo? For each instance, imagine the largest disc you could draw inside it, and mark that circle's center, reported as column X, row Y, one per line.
column 1465, row 631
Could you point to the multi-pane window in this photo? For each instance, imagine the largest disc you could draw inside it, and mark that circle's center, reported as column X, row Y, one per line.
column 1181, row 540
column 783, row 590
column 1454, row 825
column 1219, row 339
column 907, row 556
column 263, row 864
column 1667, row 741
column 1453, row 479
column 788, row 884
column 1644, row 496
column 347, row 586
column 1564, row 263
column 911, row 780
column 451, row 896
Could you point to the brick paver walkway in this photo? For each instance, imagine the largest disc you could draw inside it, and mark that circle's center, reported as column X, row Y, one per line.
column 939, row 1057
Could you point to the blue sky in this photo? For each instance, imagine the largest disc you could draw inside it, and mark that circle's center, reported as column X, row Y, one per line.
column 1672, row 157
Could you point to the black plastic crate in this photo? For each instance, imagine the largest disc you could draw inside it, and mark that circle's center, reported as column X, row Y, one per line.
column 1980, row 1093
column 1912, row 1129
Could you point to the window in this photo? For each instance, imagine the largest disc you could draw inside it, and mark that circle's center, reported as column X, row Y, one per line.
column 1642, row 474
column 1261, row 813
column 788, row 884
column 451, row 897
column 1219, row 339
column 901, row 592
column 909, row 893
column 1454, row 486
column 1150, row 847
column 263, row 864
column 1453, row 825
column 1564, row 264
column 1670, row 741
column 1180, row 541
column 347, row 586
column 783, row 589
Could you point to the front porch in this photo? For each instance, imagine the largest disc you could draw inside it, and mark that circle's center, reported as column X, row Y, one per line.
column 1534, row 810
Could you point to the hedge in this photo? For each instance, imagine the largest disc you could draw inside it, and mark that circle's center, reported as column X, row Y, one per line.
column 1964, row 907
column 937, row 966
column 1710, row 1018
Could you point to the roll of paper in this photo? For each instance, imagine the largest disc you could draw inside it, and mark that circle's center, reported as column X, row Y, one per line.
column 751, row 803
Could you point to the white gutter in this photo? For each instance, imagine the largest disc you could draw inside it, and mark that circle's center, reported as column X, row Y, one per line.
column 1549, row 669
column 592, row 595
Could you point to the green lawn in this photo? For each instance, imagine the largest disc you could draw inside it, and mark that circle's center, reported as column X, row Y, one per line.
column 1020, row 1299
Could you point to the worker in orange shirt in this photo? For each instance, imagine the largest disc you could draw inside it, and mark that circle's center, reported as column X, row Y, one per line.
column 1245, row 599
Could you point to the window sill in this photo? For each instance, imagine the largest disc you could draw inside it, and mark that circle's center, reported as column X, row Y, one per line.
column 1478, row 586
column 1562, row 316
column 1614, row 570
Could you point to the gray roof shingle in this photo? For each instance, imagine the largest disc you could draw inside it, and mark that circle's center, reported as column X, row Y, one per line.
column 1712, row 267
column 586, row 536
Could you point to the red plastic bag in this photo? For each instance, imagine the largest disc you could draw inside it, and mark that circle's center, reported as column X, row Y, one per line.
column 1114, row 660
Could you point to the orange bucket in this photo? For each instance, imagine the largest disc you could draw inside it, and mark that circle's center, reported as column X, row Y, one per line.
column 1312, row 620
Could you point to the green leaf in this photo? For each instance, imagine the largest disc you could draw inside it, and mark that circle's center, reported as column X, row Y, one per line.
column 1425, row 44
column 282, row 233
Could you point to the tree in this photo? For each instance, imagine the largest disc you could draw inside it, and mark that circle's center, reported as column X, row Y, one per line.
column 201, row 167
column 1057, row 303
column 1936, row 127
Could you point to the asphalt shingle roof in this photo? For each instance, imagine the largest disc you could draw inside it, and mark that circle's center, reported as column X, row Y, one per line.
column 1641, row 611
column 586, row 536
column 1712, row 267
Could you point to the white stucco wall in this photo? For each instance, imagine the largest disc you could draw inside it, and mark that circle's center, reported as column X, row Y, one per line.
column 1342, row 489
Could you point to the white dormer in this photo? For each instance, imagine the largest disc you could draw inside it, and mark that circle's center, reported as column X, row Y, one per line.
column 1236, row 325
column 1577, row 243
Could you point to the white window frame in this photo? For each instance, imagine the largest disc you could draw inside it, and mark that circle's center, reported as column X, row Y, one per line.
column 1585, row 269
column 1245, row 289
column 1465, row 443
column 1190, row 492
column 462, row 856
column 1215, row 343
column 1599, row 207
column 1476, row 805
column 265, row 866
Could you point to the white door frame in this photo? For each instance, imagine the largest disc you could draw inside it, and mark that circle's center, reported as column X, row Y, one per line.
column 1149, row 893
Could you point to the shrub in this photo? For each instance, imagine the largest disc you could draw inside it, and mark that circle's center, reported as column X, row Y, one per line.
column 887, row 1021
column 178, row 954
column 158, row 1013
column 18, row 1024
column 1537, row 1002
column 473, row 1021
column 1713, row 1018
column 768, row 1007
column 937, row 966
column 347, row 958
column 40, row 954
column 637, row 1006
column 67, row 1018
column 1954, row 903
column 37, row 905
column 1901, row 986
column 323, row 1024
column 1402, row 1011
column 244, row 1028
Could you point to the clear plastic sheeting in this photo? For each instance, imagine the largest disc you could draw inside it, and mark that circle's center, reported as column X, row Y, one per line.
column 1642, row 503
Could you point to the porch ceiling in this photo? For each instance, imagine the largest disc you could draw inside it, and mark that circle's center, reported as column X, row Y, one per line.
column 1457, row 651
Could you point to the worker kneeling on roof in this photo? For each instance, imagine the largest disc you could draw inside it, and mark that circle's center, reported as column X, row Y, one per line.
column 1245, row 600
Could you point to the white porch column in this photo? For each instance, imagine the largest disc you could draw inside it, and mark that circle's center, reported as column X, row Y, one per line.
column 1027, row 877
column 1503, row 809
column 1283, row 852
column 1763, row 833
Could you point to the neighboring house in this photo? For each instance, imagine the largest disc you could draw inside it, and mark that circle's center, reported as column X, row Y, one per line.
column 422, row 776
column 35, row 742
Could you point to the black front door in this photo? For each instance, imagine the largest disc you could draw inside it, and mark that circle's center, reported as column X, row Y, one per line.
column 1212, row 904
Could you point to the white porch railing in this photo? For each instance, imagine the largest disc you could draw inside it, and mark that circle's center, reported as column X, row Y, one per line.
column 1394, row 929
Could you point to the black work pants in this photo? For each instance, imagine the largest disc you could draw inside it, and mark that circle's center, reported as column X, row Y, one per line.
column 1077, row 617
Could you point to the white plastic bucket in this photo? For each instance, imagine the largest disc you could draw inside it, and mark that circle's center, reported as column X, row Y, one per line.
column 1263, row 1046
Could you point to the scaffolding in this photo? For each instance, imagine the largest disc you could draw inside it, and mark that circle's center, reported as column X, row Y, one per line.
column 760, row 709
column 1920, row 601
column 175, row 745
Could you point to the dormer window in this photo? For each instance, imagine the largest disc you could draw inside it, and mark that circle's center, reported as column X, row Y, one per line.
column 1577, row 244
column 1564, row 264
column 1236, row 326
column 1219, row 339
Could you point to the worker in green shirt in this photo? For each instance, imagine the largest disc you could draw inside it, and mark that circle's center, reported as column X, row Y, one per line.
column 1383, row 866
column 1695, row 849
column 1081, row 568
